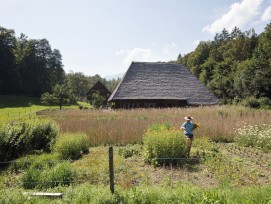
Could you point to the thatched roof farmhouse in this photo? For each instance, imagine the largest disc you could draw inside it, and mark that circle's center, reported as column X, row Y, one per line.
column 98, row 87
column 148, row 84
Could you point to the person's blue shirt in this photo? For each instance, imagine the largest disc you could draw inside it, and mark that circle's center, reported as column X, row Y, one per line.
column 188, row 128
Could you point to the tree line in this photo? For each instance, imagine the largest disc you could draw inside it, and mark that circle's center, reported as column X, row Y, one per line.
column 235, row 65
column 31, row 66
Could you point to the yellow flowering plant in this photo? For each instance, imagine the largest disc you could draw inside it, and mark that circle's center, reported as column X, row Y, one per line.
column 196, row 125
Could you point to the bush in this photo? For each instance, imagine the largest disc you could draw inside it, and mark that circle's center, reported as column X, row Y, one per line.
column 163, row 145
column 72, row 146
column 43, row 135
column 254, row 136
column 262, row 102
column 265, row 102
column 36, row 161
column 130, row 150
column 251, row 102
column 63, row 174
column 47, row 177
column 17, row 139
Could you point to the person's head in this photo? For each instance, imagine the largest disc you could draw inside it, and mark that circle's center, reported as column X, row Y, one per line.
column 188, row 118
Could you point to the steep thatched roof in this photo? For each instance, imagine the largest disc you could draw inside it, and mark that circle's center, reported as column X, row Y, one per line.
column 148, row 80
column 98, row 86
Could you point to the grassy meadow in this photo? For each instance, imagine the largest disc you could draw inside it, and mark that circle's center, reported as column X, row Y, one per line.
column 23, row 107
column 220, row 170
column 128, row 126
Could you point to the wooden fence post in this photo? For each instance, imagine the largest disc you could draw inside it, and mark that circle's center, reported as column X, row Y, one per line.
column 111, row 169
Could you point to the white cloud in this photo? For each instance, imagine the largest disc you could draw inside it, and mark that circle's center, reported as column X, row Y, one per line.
column 196, row 42
column 266, row 14
column 139, row 54
column 120, row 52
column 170, row 47
column 240, row 14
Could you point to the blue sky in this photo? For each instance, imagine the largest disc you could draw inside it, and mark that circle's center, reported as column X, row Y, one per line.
column 104, row 36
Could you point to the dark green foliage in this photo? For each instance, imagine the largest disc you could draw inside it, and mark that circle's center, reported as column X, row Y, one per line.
column 251, row 102
column 28, row 66
column 17, row 139
column 234, row 65
column 97, row 100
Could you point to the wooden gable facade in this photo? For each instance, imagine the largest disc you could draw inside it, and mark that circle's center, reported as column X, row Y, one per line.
column 98, row 87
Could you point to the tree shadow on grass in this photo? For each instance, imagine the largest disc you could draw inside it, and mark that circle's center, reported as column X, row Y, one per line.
column 12, row 101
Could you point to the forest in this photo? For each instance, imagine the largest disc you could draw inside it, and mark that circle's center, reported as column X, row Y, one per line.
column 234, row 65
column 32, row 67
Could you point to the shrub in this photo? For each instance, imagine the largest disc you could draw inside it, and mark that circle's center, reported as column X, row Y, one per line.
column 72, row 146
column 17, row 139
column 164, row 145
column 47, row 177
column 254, row 136
column 251, row 102
column 63, row 174
column 31, row 178
column 265, row 102
column 36, row 161
column 44, row 135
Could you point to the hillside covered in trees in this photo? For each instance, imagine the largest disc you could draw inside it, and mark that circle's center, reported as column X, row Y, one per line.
column 31, row 66
column 236, row 65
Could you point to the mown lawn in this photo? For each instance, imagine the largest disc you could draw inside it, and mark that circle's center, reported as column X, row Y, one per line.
column 23, row 107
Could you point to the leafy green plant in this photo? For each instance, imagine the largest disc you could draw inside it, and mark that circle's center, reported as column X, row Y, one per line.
column 43, row 134
column 17, row 139
column 37, row 161
column 61, row 95
column 48, row 177
column 265, row 102
column 97, row 100
column 72, row 146
column 62, row 174
column 130, row 150
column 251, row 102
column 163, row 145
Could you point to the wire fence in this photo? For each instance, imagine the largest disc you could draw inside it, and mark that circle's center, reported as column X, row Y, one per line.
column 111, row 174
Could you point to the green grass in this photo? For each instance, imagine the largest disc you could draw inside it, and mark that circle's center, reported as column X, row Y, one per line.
column 22, row 107
column 221, row 173
column 218, row 177
column 180, row 193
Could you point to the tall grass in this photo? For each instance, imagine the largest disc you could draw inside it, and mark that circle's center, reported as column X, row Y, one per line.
column 128, row 126
column 182, row 193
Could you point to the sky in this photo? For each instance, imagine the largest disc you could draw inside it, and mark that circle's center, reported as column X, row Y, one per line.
column 104, row 36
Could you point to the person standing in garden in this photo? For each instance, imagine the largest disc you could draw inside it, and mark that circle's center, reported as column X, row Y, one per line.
column 188, row 126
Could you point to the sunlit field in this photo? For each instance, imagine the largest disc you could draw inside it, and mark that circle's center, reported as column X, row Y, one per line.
column 14, row 108
column 128, row 126
column 221, row 168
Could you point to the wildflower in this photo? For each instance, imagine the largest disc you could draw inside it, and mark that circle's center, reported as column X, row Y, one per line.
column 196, row 125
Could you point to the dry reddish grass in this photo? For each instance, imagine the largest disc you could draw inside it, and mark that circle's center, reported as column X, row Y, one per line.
column 128, row 126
